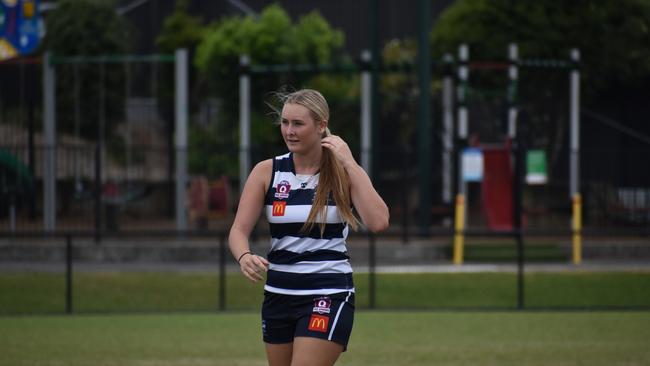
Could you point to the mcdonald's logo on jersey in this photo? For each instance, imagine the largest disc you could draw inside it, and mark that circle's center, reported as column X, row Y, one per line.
column 279, row 207
column 319, row 323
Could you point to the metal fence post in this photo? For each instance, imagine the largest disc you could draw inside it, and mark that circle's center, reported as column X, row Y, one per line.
column 574, row 158
column 68, row 274
column 517, row 132
column 372, row 258
column 424, row 117
column 513, row 76
column 49, row 138
column 98, row 194
column 517, row 211
column 448, row 129
column 222, row 272
column 181, row 120
column 366, row 112
column 244, row 121
column 461, row 142
column 574, row 117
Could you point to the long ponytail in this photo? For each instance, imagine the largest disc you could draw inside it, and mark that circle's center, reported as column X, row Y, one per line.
column 335, row 182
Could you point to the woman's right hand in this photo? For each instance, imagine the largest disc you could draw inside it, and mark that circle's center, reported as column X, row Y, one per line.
column 253, row 266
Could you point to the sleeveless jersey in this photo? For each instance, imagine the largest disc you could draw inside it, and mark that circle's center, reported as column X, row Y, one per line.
column 303, row 263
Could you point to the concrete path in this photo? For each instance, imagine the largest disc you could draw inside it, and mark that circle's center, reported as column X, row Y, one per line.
column 194, row 267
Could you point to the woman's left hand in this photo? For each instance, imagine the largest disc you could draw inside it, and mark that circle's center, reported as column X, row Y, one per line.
column 339, row 148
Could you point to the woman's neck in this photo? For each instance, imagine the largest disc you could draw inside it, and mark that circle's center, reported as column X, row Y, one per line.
column 308, row 163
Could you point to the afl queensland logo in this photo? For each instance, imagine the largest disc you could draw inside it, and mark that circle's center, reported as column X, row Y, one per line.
column 322, row 305
column 282, row 189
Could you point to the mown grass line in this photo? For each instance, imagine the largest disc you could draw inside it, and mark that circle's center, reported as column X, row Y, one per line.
column 379, row 338
column 98, row 292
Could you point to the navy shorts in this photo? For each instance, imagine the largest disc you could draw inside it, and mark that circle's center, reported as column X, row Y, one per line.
column 327, row 317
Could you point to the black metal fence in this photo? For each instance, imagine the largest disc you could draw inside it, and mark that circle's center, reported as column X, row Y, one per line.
column 142, row 197
column 128, row 184
column 69, row 272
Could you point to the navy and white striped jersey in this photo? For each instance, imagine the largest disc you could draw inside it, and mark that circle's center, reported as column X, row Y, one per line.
column 303, row 263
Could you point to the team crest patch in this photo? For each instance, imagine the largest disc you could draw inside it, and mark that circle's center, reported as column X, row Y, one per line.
column 318, row 323
column 282, row 189
column 322, row 305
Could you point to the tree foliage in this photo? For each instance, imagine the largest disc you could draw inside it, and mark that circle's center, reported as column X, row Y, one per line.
column 87, row 28
column 271, row 38
column 612, row 36
column 81, row 27
column 180, row 30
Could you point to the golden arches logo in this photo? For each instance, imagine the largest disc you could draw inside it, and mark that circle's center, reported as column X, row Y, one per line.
column 279, row 207
column 318, row 323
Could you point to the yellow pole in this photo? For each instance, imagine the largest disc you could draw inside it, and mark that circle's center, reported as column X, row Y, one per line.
column 577, row 228
column 459, row 226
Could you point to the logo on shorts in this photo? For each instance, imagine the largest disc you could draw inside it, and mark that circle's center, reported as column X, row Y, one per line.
column 279, row 207
column 322, row 305
column 282, row 189
column 263, row 327
column 318, row 323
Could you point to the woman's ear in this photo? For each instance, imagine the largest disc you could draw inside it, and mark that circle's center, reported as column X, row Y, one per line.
column 322, row 129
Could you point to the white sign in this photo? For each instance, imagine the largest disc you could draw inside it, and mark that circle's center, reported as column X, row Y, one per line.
column 472, row 161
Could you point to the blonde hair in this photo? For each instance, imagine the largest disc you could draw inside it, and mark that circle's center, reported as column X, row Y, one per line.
column 333, row 179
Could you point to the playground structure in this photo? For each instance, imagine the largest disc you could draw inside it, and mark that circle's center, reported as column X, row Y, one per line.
column 501, row 166
column 502, row 171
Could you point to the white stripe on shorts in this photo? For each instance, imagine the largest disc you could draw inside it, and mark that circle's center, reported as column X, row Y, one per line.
column 336, row 319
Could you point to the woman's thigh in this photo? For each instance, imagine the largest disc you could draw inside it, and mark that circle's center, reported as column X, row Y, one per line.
column 279, row 354
column 309, row 351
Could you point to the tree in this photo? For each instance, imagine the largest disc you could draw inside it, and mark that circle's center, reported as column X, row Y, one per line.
column 87, row 28
column 272, row 38
column 81, row 27
column 180, row 30
column 612, row 36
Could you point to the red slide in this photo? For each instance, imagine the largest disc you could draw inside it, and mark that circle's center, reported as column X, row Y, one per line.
column 496, row 188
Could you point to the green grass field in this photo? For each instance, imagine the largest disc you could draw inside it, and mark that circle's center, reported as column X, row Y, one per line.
column 379, row 338
column 120, row 292
column 110, row 331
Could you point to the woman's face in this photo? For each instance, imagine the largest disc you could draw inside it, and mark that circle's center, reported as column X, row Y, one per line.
column 299, row 130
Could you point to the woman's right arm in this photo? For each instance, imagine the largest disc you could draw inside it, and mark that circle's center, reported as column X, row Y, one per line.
column 250, row 206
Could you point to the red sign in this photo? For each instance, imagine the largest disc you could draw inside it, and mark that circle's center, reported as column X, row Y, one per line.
column 318, row 323
column 279, row 207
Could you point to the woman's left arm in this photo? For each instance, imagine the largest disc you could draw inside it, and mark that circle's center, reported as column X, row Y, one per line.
column 370, row 206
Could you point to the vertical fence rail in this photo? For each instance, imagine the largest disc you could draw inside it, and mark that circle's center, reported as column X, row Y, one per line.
column 49, row 135
column 68, row 275
column 244, row 121
column 517, row 213
column 222, row 272
column 97, row 194
column 181, row 141
column 372, row 264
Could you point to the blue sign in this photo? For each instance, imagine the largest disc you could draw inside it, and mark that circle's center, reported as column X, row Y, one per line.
column 19, row 27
